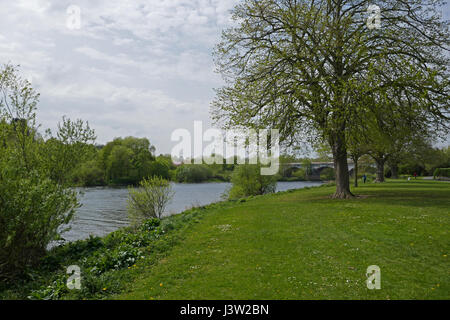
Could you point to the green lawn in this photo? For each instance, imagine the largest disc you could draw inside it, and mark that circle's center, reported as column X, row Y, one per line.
column 303, row 245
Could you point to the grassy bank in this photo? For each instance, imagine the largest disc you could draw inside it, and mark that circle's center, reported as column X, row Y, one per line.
column 293, row 245
column 302, row 245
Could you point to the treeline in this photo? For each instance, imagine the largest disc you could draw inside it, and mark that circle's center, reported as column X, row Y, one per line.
column 127, row 161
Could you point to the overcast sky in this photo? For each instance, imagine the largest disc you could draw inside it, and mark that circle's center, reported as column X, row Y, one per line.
column 141, row 68
column 134, row 68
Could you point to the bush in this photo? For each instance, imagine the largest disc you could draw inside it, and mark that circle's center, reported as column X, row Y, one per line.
column 248, row 181
column 32, row 210
column 150, row 200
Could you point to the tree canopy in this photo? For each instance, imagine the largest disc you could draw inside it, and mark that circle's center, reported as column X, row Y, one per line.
column 307, row 68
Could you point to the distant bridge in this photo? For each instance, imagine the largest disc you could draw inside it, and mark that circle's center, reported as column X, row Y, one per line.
column 317, row 167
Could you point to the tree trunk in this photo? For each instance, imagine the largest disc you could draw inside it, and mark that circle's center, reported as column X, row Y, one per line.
column 394, row 171
column 380, row 170
column 341, row 168
column 355, row 171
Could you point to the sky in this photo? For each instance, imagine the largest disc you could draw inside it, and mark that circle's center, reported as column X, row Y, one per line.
column 131, row 68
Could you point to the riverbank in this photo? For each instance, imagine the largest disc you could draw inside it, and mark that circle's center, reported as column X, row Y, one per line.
column 292, row 245
column 303, row 245
column 104, row 210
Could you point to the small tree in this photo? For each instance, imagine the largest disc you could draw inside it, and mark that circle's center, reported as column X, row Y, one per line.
column 150, row 200
column 248, row 181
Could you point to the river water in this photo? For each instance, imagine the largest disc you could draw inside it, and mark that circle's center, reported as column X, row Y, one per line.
column 104, row 210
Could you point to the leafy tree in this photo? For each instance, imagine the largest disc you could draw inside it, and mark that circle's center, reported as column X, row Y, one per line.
column 72, row 145
column 33, row 207
column 248, row 181
column 304, row 67
column 119, row 166
column 160, row 168
column 127, row 160
column 88, row 174
column 193, row 173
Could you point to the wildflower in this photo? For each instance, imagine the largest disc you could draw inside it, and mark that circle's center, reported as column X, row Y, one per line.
column 161, row 284
column 104, row 289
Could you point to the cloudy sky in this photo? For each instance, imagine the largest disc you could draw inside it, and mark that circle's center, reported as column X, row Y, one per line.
column 141, row 68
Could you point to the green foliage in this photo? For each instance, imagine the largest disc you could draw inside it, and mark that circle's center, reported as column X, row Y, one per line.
column 442, row 172
column 126, row 161
column 160, row 168
column 88, row 174
column 385, row 82
column 107, row 264
column 34, row 204
column 32, row 210
column 193, row 173
column 327, row 174
column 150, row 200
column 300, row 174
column 248, row 181
column 71, row 146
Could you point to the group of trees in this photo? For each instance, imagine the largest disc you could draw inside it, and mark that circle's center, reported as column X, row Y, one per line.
column 317, row 70
column 35, row 198
column 122, row 161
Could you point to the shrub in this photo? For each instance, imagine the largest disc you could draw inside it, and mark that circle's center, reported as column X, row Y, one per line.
column 150, row 200
column 248, row 181
column 31, row 212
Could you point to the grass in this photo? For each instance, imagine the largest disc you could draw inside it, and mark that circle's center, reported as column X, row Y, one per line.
column 303, row 245
column 293, row 245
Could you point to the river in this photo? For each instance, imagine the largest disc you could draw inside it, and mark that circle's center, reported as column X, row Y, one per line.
column 104, row 210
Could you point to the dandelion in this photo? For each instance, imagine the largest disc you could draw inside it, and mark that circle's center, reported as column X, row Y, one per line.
column 161, row 284
column 104, row 289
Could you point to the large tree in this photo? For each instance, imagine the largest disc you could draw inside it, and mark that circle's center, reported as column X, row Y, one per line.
column 304, row 66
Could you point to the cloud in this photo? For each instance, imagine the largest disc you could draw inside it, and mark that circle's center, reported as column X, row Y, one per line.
column 139, row 67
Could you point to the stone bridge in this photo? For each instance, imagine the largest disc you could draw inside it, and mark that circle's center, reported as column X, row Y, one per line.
column 317, row 167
